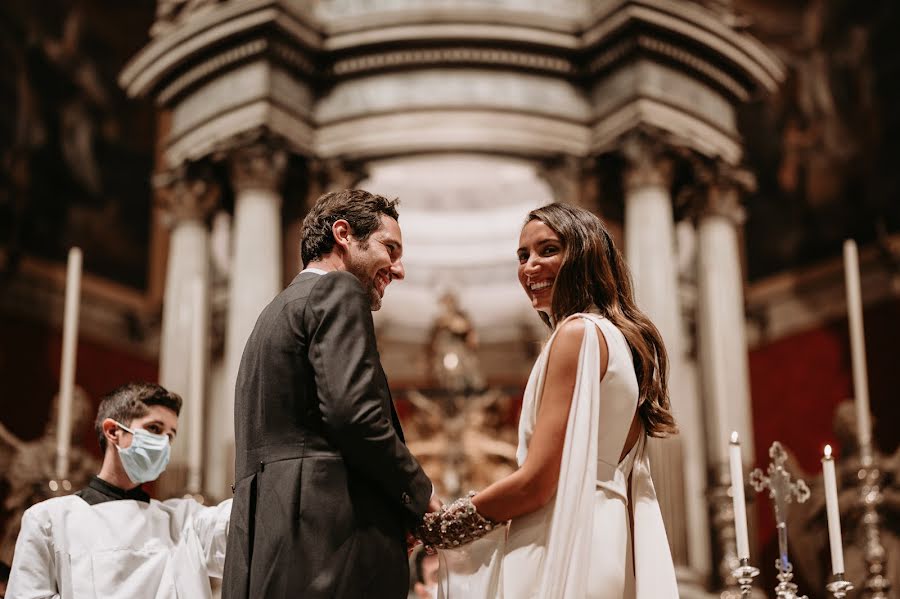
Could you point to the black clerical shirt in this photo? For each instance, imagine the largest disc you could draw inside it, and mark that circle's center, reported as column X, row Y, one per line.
column 100, row 491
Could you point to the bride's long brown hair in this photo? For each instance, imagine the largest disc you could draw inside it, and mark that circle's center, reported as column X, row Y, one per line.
column 593, row 273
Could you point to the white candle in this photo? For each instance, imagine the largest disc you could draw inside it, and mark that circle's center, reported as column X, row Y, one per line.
column 858, row 349
column 67, row 366
column 196, row 384
column 834, row 515
column 737, row 497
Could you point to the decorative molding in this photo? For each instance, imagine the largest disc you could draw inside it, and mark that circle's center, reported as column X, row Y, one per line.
column 738, row 52
column 453, row 55
column 169, row 54
column 204, row 70
column 473, row 30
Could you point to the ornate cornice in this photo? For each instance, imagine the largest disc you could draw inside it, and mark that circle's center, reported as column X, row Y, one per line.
column 646, row 45
column 203, row 42
column 686, row 33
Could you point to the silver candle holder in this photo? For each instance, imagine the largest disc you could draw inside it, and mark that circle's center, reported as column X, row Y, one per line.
column 744, row 575
column 839, row 587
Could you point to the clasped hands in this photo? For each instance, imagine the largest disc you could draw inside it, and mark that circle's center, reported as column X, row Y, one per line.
column 452, row 525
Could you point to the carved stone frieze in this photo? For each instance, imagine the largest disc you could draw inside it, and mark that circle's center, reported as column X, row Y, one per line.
column 187, row 192
column 453, row 55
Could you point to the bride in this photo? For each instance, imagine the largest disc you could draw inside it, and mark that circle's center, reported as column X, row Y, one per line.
column 582, row 520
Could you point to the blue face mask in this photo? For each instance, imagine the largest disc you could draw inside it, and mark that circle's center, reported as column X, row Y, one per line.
column 147, row 456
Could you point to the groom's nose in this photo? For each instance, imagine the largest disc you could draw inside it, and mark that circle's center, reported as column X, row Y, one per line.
column 397, row 270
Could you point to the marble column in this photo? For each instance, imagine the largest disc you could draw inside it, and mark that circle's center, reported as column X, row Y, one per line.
column 723, row 348
column 256, row 171
column 721, row 323
column 678, row 463
column 187, row 200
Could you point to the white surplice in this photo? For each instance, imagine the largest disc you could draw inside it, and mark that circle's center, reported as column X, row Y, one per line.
column 123, row 549
column 581, row 545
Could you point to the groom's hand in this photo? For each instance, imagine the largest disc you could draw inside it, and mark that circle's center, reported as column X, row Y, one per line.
column 411, row 542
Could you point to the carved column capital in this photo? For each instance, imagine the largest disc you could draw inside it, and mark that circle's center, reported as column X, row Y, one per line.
column 719, row 189
column 257, row 165
column 186, row 193
column 649, row 161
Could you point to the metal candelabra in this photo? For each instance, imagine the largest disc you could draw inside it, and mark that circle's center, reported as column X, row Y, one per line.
column 877, row 585
column 782, row 491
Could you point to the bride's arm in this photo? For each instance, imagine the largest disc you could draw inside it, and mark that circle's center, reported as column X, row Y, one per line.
column 534, row 484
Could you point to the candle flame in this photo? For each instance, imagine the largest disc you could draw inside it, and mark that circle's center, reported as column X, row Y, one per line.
column 734, row 437
column 828, row 452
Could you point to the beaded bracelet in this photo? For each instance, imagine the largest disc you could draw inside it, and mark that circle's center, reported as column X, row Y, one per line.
column 456, row 524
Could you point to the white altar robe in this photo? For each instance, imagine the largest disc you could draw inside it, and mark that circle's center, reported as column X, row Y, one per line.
column 123, row 549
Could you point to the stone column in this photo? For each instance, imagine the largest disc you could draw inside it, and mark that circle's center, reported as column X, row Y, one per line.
column 256, row 171
column 678, row 463
column 723, row 344
column 187, row 200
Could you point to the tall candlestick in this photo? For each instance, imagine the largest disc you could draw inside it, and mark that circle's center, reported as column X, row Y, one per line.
column 858, row 350
column 67, row 366
column 737, row 497
column 196, row 384
column 834, row 516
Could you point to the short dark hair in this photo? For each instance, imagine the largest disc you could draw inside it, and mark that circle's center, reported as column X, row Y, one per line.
column 361, row 209
column 130, row 401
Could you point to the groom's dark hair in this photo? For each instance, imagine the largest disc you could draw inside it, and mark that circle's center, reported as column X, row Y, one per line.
column 361, row 209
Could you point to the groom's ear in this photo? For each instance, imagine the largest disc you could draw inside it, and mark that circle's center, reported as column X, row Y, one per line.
column 342, row 233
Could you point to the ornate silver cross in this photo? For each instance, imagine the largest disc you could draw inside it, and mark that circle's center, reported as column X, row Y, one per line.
column 782, row 490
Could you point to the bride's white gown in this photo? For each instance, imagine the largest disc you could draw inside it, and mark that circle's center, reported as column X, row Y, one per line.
column 582, row 544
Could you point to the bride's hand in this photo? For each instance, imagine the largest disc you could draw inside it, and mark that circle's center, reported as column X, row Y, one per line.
column 454, row 525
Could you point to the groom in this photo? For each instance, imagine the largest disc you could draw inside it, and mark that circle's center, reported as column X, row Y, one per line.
column 325, row 487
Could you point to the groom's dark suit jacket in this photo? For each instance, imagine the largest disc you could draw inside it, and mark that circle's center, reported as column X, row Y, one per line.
column 325, row 486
